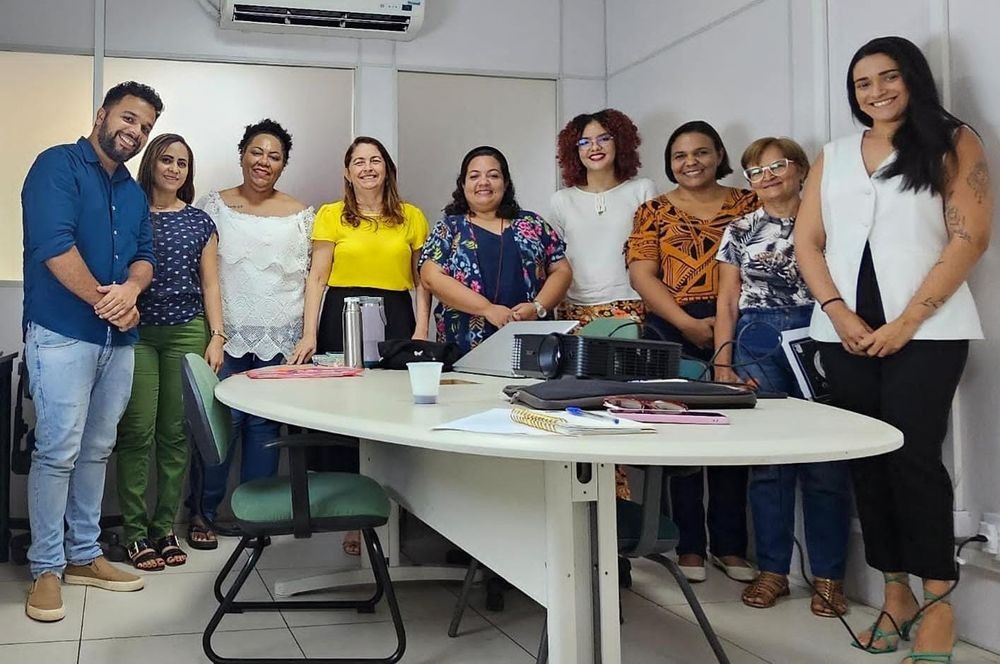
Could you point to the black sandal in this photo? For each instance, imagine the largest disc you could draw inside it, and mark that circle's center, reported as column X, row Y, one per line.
column 142, row 551
column 168, row 548
column 199, row 527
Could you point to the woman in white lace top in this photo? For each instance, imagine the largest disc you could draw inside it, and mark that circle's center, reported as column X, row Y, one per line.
column 263, row 262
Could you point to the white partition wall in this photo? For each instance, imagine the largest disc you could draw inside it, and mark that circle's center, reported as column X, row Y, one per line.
column 211, row 103
column 441, row 117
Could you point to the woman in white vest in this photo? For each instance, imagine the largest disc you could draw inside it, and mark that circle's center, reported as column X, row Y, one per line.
column 892, row 222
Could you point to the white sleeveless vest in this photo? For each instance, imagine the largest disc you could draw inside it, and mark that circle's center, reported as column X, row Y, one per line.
column 907, row 234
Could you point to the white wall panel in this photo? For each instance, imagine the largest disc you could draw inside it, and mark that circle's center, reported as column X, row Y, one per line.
column 579, row 95
column 313, row 104
column 742, row 102
column 47, row 25
column 513, row 36
column 448, row 115
column 583, row 47
column 976, row 98
column 639, row 28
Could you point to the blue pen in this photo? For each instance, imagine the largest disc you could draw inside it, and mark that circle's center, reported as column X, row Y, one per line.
column 573, row 410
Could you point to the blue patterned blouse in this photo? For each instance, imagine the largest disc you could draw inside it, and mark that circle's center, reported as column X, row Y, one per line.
column 174, row 297
column 452, row 245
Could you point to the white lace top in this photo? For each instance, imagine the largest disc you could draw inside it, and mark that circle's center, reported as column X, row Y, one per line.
column 263, row 263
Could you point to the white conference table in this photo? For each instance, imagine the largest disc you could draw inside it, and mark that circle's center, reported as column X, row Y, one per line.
column 518, row 503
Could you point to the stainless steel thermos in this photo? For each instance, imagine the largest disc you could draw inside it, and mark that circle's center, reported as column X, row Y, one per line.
column 364, row 328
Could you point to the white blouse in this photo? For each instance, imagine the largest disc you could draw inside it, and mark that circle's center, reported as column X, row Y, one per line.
column 906, row 232
column 595, row 228
column 263, row 264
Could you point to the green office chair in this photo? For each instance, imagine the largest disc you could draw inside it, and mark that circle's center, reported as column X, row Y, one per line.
column 620, row 328
column 693, row 369
column 299, row 505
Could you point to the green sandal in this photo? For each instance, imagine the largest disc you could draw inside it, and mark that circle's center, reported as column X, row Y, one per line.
column 891, row 636
column 927, row 656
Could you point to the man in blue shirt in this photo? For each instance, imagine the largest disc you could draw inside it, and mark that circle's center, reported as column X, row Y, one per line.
column 88, row 254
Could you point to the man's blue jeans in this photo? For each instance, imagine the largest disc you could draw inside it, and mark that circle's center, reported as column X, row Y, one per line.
column 826, row 497
column 80, row 391
column 254, row 432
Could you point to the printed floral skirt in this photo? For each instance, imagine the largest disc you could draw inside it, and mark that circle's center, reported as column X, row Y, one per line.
column 585, row 313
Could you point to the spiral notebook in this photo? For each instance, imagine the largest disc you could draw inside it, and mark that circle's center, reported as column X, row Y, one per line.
column 527, row 421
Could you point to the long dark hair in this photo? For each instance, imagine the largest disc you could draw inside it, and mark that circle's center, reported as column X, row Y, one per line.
column 508, row 208
column 392, row 204
column 156, row 147
column 927, row 134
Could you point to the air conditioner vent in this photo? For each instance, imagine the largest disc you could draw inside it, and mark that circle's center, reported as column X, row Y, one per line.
column 319, row 18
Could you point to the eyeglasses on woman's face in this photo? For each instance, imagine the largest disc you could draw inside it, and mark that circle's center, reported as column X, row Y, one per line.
column 775, row 168
column 598, row 141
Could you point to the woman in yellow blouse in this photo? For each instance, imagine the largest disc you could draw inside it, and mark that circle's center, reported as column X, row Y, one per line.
column 366, row 244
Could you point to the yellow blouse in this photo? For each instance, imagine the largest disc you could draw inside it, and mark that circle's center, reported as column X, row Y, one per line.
column 373, row 255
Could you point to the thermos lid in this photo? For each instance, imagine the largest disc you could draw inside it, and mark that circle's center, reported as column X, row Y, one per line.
column 369, row 300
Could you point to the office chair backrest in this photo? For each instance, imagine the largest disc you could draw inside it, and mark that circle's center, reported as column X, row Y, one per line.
column 694, row 369
column 620, row 328
column 207, row 419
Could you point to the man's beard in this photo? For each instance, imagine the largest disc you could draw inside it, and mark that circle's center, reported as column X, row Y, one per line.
column 107, row 142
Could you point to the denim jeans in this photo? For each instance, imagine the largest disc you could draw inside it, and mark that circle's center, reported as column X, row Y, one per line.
column 826, row 498
column 80, row 390
column 254, row 432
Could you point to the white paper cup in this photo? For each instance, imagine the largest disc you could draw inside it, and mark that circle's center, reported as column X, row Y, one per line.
column 425, row 381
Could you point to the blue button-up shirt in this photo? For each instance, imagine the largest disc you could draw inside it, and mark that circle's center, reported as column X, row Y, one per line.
column 69, row 200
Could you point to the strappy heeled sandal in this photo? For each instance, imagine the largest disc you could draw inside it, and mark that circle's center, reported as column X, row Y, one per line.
column 764, row 591
column 890, row 636
column 926, row 655
column 828, row 600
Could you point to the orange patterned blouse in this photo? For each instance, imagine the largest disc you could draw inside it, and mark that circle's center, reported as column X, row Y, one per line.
column 685, row 247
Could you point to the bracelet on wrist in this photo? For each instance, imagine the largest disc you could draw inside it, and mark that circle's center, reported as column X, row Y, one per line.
column 822, row 306
column 220, row 333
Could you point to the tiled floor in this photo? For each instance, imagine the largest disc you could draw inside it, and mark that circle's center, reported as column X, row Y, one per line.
column 163, row 623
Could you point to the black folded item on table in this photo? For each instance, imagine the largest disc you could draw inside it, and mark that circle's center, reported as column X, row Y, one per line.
column 561, row 393
column 396, row 353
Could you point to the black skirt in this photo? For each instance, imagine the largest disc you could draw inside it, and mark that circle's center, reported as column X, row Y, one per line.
column 400, row 321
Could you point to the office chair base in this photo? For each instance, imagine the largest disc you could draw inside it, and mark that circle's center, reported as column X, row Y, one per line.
column 229, row 605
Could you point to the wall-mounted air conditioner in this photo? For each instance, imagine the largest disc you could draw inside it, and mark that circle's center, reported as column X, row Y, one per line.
column 339, row 18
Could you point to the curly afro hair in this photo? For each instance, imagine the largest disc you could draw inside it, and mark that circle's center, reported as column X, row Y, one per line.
column 627, row 141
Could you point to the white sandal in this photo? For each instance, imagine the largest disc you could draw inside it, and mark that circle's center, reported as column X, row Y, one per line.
column 736, row 572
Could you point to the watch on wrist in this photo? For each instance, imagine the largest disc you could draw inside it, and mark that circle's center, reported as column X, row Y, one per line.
column 540, row 310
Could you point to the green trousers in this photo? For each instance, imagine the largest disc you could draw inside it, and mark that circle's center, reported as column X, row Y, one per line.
column 155, row 412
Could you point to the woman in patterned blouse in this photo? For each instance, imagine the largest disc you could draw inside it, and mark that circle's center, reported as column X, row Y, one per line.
column 761, row 294
column 671, row 261
column 183, row 294
column 488, row 261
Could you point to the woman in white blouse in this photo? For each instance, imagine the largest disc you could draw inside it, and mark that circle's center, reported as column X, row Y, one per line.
column 263, row 262
column 599, row 158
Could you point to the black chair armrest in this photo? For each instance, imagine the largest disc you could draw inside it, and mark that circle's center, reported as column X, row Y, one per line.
column 299, row 483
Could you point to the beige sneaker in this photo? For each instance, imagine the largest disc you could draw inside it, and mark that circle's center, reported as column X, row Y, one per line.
column 102, row 574
column 45, row 599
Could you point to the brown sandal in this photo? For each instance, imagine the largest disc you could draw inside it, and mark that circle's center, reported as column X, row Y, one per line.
column 765, row 590
column 828, row 600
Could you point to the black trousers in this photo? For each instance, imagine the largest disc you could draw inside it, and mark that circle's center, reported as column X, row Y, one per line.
column 905, row 498
column 400, row 323
column 727, row 485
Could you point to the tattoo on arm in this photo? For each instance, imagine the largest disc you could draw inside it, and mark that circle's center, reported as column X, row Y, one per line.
column 933, row 302
column 979, row 180
column 955, row 221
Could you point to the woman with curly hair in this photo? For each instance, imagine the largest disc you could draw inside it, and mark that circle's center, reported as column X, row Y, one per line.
column 599, row 158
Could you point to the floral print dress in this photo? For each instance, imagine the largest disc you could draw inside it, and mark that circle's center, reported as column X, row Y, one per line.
column 452, row 245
